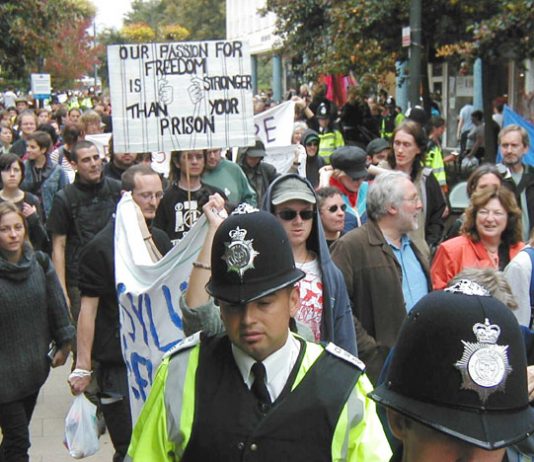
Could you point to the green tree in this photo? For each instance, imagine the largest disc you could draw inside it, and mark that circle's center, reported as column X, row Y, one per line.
column 30, row 30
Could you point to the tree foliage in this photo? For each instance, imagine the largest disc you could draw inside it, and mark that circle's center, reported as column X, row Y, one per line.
column 365, row 35
column 203, row 19
column 32, row 30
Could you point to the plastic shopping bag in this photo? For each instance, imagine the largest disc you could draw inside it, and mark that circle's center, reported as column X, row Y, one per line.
column 81, row 433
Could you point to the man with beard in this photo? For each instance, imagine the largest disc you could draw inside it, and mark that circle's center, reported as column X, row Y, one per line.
column 182, row 203
column 98, row 325
column 118, row 163
column 514, row 143
column 384, row 271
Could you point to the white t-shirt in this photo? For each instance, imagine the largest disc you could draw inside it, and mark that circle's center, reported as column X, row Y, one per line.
column 310, row 311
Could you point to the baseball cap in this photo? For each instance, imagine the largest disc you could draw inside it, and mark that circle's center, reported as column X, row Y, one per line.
column 290, row 188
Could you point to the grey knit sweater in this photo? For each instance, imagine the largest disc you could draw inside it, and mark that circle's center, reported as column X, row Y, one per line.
column 33, row 312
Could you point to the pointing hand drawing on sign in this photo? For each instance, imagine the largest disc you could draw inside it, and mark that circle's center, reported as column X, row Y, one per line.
column 196, row 90
column 165, row 92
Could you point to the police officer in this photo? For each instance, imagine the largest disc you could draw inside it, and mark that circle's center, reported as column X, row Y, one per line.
column 258, row 392
column 456, row 389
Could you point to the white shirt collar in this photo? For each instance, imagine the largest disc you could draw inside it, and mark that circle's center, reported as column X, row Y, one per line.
column 278, row 366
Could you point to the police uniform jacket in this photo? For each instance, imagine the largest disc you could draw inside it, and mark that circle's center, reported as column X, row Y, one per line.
column 200, row 409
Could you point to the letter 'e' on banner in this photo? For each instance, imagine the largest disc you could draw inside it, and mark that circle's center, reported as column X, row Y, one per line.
column 181, row 96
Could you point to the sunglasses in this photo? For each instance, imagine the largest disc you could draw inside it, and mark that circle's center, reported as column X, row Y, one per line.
column 333, row 208
column 313, row 143
column 288, row 215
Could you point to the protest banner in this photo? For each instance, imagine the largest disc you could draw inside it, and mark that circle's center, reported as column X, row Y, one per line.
column 148, row 293
column 181, row 95
column 275, row 128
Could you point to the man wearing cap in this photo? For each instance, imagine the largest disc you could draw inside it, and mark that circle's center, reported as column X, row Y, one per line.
column 378, row 151
column 456, row 388
column 229, row 177
column 257, row 392
column 260, row 174
column 384, row 271
column 350, row 171
column 324, row 304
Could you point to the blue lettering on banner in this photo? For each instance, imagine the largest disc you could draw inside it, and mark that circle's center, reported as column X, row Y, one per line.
column 142, row 383
column 153, row 330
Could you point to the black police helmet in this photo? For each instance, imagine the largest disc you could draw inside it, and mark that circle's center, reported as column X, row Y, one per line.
column 251, row 257
column 459, row 366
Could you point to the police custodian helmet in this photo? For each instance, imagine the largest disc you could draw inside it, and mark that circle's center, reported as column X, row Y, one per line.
column 251, row 257
column 459, row 366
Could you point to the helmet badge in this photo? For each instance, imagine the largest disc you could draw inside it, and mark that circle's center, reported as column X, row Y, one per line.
column 239, row 254
column 484, row 365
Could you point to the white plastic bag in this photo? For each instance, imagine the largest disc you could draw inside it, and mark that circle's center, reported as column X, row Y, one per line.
column 81, row 433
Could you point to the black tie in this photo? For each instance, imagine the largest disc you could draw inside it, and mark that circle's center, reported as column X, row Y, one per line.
column 259, row 388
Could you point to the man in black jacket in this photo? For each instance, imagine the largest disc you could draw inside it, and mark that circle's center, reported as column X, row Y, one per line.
column 79, row 211
column 98, row 325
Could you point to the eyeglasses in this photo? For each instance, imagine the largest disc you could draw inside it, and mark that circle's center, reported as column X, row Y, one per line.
column 149, row 196
column 333, row 208
column 288, row 215
column 313, row 143
column 414, row 200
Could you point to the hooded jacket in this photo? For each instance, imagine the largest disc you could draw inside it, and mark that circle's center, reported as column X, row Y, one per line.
column 336, row 321
column 311, row 166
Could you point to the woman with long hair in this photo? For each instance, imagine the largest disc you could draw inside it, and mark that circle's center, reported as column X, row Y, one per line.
column 491, row 236
column 33, row 313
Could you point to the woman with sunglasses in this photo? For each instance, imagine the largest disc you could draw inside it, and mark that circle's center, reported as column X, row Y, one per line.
column 332, row 211
column 308, row 163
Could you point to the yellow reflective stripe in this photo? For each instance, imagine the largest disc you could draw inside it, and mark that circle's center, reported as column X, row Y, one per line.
column 359, row 435
column 149, row 437
column 310, row 357
column 189, row 396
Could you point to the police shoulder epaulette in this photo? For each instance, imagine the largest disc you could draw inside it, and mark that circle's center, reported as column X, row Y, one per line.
column 344, row 355
column 185, row 344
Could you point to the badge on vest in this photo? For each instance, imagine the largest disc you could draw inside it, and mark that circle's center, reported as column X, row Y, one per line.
column 185, row 344
column 484, row 365
column 345, row 355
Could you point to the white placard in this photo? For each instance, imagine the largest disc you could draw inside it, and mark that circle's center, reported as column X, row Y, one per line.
column 181, row 95
column 151, row 320
column 41, row 84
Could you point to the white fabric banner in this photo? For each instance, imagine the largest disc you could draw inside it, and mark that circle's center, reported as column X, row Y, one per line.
column 180, row 95
column 150, row 317
column 275, row 128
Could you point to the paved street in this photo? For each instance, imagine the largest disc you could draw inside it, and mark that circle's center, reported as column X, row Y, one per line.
column 47, row 425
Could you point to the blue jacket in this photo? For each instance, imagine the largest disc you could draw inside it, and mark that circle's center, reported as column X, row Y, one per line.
column 53, row 179
column 337, row 325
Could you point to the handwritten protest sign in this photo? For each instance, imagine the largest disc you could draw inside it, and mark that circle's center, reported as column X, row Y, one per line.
column 182, row 95
column 151, row 320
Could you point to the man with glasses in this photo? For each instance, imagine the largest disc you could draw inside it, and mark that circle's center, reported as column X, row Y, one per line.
column 332, row 211
column 98, row 325
column 384, row 271
column 181, row 206
column 324, row 305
